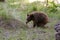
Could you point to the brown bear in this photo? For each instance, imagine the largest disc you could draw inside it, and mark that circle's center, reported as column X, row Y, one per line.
column 38, row 18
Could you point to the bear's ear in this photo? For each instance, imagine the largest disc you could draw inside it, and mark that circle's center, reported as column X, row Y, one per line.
column 31, row 15
column 27, row 14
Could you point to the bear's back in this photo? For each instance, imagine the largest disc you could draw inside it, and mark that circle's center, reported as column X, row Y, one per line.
column 39, row 16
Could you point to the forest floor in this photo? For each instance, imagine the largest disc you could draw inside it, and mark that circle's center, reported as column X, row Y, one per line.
column 13, row 29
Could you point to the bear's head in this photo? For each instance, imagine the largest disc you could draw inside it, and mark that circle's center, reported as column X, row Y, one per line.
column 29, row 18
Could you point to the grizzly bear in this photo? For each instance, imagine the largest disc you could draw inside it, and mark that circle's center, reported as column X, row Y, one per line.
column 38, row 18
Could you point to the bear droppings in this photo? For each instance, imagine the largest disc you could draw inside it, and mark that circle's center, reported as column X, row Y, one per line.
column 57, row 29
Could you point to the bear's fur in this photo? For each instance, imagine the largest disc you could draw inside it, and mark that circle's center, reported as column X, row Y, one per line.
column 38, row 18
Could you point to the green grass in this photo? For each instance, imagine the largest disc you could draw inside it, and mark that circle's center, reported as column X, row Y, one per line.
column 23, row 34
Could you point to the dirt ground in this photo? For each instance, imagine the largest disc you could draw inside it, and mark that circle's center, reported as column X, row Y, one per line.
column 13, row 29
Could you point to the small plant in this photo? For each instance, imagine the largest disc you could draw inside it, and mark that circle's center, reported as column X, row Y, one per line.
column 52, row 7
